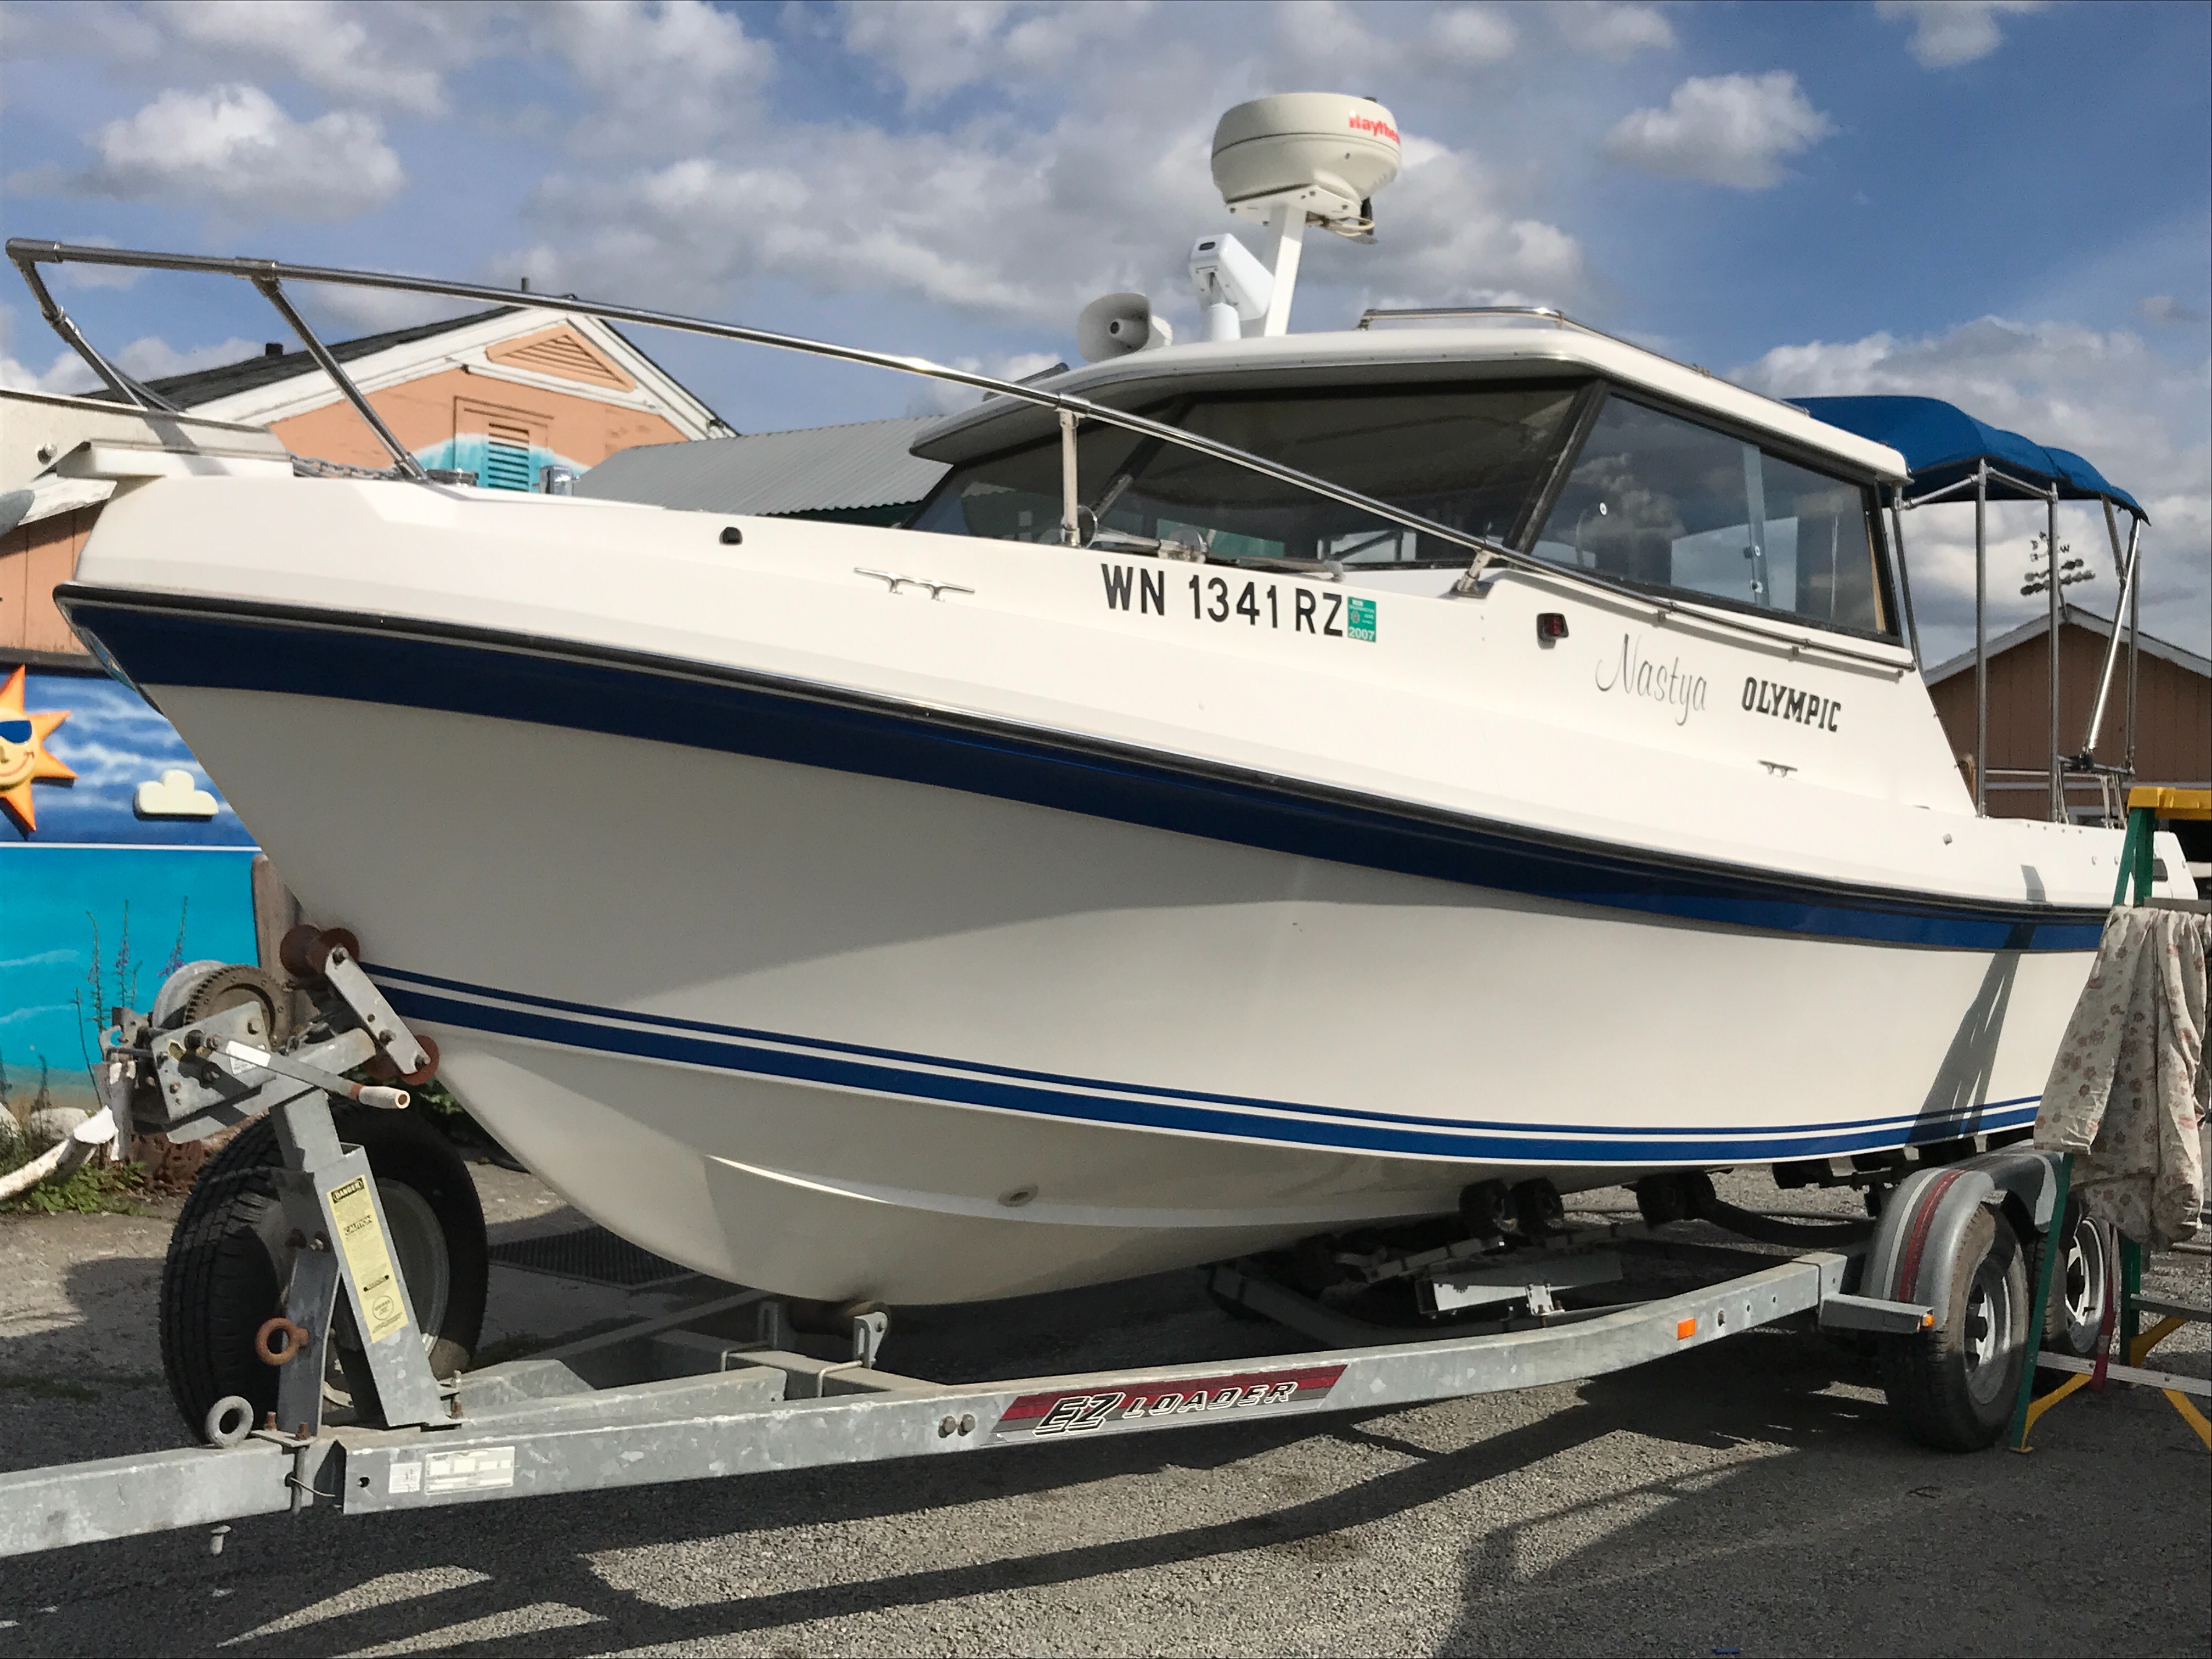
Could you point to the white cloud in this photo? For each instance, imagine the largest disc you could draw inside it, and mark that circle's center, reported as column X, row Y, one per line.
column 14, row 1015
column 1326, row 43
column 1025, row 229
column 665, row 75
column 937, row 48
column 1470, row 35
column 81, row 277
column 151, row 358
column 2142, row 421
column 391, row 53
column 373, row 311
column 43, row 958
column 2165, row 308
column 943, row 397
column 1947, row 32
column 15, row 375
column 236, row 150
column 147, row 358
column 332, row 48
column 1615, row 34
column 1730, row 129
column 172, row 795
column 1448, row 235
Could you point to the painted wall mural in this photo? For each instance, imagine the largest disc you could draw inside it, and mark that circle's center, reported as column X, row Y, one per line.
column 123, row 863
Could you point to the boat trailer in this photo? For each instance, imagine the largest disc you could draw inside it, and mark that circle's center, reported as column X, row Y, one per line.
column 728, row 1387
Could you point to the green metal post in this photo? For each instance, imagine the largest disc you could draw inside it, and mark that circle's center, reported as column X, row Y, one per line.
column 2131, row 1265
column 2134, row 850
column 2134, row 862
column 2054, row 1247
column 2143, row 824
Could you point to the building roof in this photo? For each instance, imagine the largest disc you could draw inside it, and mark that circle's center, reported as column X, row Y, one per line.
column 204, row 386
column 813, row 469
column 277, row 386
column 2039, row 625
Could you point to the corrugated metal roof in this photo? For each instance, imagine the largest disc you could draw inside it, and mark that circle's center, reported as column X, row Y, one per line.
column 814, row 470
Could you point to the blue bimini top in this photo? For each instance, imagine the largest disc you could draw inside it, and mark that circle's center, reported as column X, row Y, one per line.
column 1942, row 445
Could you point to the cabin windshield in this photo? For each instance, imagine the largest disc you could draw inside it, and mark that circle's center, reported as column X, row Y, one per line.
column 1474, row 458
column 1664, row 502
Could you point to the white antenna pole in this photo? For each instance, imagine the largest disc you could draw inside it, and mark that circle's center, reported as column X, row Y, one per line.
column 1288, row 221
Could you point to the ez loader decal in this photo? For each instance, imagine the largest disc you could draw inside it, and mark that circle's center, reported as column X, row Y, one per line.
column 1245, row 1393
column 1301, row 609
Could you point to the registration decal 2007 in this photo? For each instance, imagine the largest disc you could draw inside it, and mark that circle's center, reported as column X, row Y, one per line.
column 1084, row 1411
column 1230, row 599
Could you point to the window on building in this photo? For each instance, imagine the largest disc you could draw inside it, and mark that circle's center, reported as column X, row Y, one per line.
column 504, row 447
column 507, row 457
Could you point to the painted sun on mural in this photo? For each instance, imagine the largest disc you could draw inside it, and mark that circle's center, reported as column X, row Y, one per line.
column 23, row 757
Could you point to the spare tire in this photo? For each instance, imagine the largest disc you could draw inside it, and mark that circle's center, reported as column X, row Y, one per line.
column 227, row 1257
column 1954, row 1387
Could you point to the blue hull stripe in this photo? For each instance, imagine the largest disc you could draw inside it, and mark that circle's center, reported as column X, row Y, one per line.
column 1123, row 1105
column 703, row 708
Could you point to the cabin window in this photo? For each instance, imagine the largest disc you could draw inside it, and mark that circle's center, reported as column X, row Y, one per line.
column 1661, row 502
column 1473, row 459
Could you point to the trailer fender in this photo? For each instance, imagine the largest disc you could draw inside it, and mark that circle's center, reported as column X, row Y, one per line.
column 1916, row 1247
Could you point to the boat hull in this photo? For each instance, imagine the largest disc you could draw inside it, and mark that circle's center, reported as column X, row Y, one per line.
column 844, row 1034
column 1041, row 925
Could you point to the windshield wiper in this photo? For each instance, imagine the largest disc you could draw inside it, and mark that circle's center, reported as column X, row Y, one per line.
column 1125, row 541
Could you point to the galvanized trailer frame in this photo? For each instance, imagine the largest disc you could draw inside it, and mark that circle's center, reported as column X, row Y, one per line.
column 723, row 1407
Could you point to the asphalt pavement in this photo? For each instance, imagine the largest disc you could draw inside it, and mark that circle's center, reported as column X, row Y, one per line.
column 1751, row 1497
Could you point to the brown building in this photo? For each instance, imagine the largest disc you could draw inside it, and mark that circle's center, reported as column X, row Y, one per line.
column 502, row 394
column 2172, row 722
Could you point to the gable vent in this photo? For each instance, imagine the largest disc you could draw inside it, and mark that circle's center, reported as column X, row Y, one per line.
column 507, row 457
column 563, row 353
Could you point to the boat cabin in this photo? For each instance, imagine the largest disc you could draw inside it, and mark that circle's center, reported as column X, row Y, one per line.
column 1543, row 437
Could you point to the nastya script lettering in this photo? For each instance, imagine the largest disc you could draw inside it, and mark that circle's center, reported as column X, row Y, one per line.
column 1633, row 676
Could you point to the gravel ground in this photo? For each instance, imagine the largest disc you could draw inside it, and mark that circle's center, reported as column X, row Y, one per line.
column 1751, row 1497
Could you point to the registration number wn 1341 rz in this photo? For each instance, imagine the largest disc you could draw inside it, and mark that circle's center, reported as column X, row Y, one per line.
column 1295, row 608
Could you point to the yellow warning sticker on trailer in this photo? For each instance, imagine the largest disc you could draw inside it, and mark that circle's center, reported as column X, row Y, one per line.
column 384, row 1310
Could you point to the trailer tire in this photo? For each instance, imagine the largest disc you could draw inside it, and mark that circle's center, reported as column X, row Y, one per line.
column 1953, row 1388
column 224, row 1276
column 2074, row 1316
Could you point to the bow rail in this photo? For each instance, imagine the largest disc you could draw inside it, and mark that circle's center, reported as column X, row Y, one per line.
column 269, row 275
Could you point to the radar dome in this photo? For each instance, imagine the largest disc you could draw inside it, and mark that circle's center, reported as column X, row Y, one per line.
column 1326, row 151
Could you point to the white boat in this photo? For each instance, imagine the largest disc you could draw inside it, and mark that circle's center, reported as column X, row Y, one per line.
column 947, row 913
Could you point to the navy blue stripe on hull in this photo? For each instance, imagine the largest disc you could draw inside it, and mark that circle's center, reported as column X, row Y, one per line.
column 785, row 1058
column 701, row 707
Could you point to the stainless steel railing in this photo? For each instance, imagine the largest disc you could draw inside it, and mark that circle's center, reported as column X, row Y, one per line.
column 269, row 275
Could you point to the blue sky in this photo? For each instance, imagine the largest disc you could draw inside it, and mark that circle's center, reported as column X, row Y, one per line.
column 2009, row 205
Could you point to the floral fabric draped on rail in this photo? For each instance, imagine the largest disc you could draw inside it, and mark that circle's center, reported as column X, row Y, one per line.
column 2129, row 1088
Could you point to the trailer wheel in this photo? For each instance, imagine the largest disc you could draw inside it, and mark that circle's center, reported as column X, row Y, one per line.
column 224, row 1273
column 2078, row 1279
column 1953, row 1387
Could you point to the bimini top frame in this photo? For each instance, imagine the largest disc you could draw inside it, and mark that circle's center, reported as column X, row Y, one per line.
column 1951, row 452
column 268, row 277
